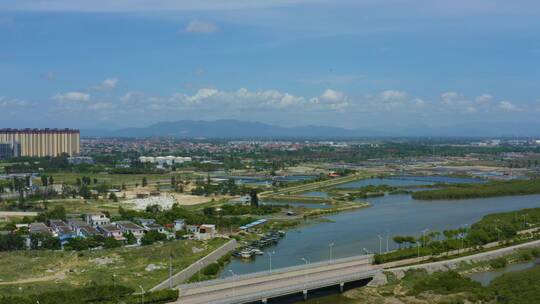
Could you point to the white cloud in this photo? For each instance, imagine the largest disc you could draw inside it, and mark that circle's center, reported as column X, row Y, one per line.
column 72, row 96
column 471, row 110
column 484, row 98
column 451, row 98
column 508, row 106
column 393, row 96
column 101, row 106
column 12, row 103
column 107, row 84
column 199, row 26
column 110, row 83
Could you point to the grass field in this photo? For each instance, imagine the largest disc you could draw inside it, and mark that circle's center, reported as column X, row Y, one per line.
column 37, row 271
column 113, row 179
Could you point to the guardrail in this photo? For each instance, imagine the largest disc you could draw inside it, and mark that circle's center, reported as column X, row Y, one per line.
column 237, row 278
column 189, row 271
column 296, row 288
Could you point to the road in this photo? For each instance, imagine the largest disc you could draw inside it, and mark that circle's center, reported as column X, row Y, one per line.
column 245, row 286
column 17, row 213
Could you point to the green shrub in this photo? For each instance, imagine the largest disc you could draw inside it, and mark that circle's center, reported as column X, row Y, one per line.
column 498, row 263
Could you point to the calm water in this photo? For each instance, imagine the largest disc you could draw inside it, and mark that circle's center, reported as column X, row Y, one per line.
column 316, row 194
column 404, row 181
column 390, row 215
column 299, row 204
column 268, row 181
column 486, row 277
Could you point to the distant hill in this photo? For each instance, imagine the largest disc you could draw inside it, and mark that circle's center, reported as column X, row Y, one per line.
column 224, row 129
column 243, row 129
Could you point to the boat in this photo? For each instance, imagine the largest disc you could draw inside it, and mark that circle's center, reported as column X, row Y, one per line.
column 257, row 251
column 246, row 254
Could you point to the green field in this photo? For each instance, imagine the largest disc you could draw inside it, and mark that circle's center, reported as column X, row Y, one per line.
column 112, row 179
column 26, row 272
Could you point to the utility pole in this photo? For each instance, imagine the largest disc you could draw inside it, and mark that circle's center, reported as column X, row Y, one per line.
column 170, row 271
column 142, row 294
column 387, row 240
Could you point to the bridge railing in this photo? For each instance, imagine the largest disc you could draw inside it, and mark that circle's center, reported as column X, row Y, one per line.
column 309, row 285
column 236, row 278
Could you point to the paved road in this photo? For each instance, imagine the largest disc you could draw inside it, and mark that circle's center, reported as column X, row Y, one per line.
column 260, row 283
column 17, row 213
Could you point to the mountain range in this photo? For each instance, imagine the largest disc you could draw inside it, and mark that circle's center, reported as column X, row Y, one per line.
column 243, row 129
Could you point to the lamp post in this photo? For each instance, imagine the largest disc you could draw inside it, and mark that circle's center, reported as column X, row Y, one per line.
column 142, row 294
column 200, row 268
column 331, row 245
column 170, row 271
column 387, row 240
column 234, row 282
column 380, row 243
column 306, row 276
column 418, row 249
column 270, row 259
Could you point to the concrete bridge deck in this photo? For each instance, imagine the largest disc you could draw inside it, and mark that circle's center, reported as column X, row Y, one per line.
column 285, row 281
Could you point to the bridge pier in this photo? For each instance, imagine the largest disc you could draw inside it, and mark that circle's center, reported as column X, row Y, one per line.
column 341, row 286
column 305, row 294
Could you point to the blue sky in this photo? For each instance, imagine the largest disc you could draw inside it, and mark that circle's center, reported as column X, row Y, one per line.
column 354, row 64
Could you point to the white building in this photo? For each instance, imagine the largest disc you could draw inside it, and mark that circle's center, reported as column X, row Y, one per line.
column 96, row 219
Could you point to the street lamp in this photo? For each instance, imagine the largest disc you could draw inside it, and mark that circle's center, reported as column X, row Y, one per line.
column 142, row 294
column 306, row 276
column 380, row 243
column 418, row 249
column 234, row 282
column 424, row 235
column 387, row 239
column 331, row 245
column 270, row 259
column 200, row 267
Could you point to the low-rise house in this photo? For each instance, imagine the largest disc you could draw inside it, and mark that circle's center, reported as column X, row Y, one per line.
column 155, row 227
column 82, row 229
column 179, row 224
column 206, row 232
column 144, row 221
column 127, row 226
column 111, row 231
column 96, row 219
column 39, row 228
column 192, row 228
column 55, row 224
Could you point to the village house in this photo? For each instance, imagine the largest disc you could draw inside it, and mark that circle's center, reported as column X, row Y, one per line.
column 127, row 226
column 111, row 231
column 96, row 219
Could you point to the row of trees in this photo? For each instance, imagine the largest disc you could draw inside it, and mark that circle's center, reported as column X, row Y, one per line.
column 464, row 191
column 495, row 227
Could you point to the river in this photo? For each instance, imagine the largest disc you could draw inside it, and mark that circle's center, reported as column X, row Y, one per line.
column 390, row 215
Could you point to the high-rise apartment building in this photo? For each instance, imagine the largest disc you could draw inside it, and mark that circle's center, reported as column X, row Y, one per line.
column 42, row 142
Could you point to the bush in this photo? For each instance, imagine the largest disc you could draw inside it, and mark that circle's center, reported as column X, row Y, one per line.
column 212, row 269
column 498, row 263
column 444, row 283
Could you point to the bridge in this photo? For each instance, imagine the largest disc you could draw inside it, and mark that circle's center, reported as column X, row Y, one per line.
column 266, row 285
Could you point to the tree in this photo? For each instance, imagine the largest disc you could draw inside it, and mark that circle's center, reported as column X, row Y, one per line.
column 130, row 238
column 113, row 197
column 144, row 182
column 152, row 236
column 111, row 242
column 254, row 198
column 51, row 180
column 44, row 181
